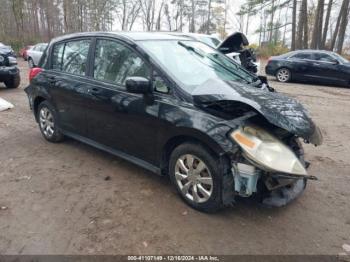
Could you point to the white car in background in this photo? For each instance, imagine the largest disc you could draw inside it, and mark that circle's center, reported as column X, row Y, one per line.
column 34, row 54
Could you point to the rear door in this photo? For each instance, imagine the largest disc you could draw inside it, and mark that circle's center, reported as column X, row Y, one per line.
column 68, row 83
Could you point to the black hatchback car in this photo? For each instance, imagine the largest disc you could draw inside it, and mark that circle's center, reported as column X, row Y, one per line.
column 177, row 107
column 310, row 65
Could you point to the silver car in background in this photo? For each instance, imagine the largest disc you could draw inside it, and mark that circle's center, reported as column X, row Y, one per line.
column 34, row 54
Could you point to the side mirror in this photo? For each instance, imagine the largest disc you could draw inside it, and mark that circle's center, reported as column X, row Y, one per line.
column 138, row 85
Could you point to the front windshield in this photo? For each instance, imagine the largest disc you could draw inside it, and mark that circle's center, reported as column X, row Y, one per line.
column 193, row 63
column 212, row 41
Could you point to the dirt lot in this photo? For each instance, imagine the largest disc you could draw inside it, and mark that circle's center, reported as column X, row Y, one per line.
column 58, row 201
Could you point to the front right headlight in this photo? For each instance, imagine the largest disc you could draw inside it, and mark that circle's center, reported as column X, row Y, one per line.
column 267, row 151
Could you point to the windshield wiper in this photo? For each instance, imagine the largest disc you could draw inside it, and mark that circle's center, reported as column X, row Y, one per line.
column 227, row 68
column 194, row 50
column 190, row 48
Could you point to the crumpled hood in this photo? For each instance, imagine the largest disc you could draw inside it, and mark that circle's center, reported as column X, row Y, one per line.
column 278, row 109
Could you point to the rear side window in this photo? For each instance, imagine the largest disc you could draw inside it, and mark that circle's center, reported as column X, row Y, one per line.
column 114, row 62
column 302, row 56
column 71, row 57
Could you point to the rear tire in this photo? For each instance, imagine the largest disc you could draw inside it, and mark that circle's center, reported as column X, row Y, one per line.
column 48, row 122
column 201, row 186
column 283, row 75
column 13, row 82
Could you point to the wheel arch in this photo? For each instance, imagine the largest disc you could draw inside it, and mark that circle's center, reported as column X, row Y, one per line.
column 177, row 140
column 37, row 101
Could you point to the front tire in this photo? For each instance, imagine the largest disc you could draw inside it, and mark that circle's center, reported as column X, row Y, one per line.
column 283, row 75
column 196, row 174
column 48, row 122
column 13, row 82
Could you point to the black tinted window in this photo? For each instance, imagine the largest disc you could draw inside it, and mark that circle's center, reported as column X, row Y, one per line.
column 302, row 56
column 323, row 57
column 71, row 57
column 75, row 57
column 115, row 62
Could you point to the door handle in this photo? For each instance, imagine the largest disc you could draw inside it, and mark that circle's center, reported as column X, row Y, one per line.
column 97, row 92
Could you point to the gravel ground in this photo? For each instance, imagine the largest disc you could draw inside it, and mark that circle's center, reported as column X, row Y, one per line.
column 57, row 200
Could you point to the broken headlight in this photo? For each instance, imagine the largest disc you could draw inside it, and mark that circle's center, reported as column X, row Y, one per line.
column 267, row 151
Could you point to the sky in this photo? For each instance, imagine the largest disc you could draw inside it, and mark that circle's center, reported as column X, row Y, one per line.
column 231, row 27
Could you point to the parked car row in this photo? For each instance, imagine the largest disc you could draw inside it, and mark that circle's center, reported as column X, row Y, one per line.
column 177, row 107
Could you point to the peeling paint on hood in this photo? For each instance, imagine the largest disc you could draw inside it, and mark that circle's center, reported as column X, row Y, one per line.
column 278, row 109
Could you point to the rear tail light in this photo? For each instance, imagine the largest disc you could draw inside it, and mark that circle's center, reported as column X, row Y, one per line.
column 34, row 72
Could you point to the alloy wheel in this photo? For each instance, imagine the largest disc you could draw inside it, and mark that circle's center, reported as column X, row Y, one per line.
column 283, row 75
column 46, row 121
column 193, row 178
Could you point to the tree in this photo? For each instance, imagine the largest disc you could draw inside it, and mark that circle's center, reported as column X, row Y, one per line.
column 294, row 24
column 317, row 29
column 302, row 32
column 343, row 25
column 326, row 24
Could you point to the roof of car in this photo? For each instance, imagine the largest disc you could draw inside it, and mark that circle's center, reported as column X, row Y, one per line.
column 189, row 34
column 312, row 51
column 132, row 36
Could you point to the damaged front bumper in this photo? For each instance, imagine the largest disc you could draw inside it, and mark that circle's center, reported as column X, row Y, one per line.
column 284, row 195
column 270, row 190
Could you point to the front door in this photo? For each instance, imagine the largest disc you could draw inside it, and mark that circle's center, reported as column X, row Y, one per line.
column 328, row 69
column 116, row 118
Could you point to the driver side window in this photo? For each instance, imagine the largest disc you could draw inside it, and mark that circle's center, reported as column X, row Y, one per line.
column 324, row 58
column 115, row 62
